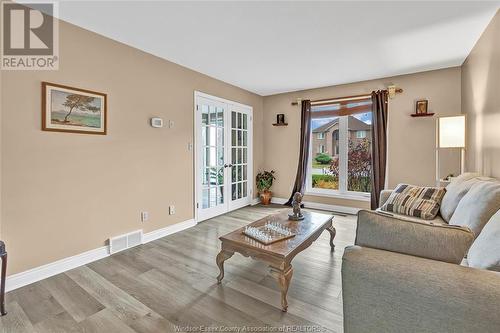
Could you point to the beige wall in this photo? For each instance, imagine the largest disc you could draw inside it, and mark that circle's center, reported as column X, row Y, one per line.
column 63, row 193
column 411, row 140
column 481, row 102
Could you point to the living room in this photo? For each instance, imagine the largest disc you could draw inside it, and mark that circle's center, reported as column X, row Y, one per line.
column 161, row 176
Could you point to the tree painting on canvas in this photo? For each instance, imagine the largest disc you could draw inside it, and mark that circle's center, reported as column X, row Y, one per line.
column 67, row 109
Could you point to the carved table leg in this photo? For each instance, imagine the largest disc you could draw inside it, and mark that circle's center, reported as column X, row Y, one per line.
column 284, row 277
column 332, row 232
column 221, row 257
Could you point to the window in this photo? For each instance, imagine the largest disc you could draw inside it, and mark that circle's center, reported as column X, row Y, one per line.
column 347, row 172
column 360, row 134
column 321, row 135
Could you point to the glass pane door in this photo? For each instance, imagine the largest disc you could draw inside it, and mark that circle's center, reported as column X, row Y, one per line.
column 240, row 149
column 211, row 157
column 223, row 156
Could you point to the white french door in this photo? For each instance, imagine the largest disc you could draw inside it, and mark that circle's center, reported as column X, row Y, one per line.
column 223, row 155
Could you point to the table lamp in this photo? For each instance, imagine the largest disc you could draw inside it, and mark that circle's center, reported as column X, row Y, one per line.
column 450, row 133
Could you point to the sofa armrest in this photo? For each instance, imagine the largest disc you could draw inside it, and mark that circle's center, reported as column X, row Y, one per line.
column 384, row 195
column 390, row 292
column 437, row 242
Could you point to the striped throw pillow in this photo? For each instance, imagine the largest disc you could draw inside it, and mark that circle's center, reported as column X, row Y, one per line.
column 421, row 202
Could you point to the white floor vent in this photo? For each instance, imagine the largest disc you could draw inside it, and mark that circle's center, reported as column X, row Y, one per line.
column 126, row 241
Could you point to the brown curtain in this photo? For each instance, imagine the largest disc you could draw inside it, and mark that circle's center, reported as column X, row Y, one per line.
column 305, row 135
column 379, row 144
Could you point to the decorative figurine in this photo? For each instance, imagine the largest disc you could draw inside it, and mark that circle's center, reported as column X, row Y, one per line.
column 297, row 214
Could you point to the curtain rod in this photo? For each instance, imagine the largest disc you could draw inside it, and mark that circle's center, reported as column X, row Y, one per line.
column 392, row 90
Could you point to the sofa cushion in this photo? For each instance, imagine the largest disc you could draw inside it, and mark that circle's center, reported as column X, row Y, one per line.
column 455, row 191
column 477, row 206
column 485, row 251
column 438, row 220
column 436, row 242
column 421, row 202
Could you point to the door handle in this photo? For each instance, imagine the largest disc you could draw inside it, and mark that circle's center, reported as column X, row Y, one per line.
column 227, row 165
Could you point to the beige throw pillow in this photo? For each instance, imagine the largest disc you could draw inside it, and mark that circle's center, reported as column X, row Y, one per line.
column 455, row 191
column 477, row 206
column 485, row 251
column 421, row 202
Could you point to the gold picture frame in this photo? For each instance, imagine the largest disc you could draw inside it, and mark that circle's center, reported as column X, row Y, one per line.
column 73, row 110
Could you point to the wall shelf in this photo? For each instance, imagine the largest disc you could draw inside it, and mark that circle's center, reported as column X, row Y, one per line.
column 422, row 114
column 283, row 124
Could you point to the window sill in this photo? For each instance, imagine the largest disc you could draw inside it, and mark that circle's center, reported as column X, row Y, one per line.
column 347, row 196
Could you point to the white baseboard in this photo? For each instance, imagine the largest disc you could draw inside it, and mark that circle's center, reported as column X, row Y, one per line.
column 333, row 208
column 42, row 272
column 316, row 205
column 60, row 266
column 168, row 230
column 278, row 201
column 255, row 201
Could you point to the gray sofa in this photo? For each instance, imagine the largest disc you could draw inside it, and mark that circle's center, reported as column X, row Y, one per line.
column 409, row 275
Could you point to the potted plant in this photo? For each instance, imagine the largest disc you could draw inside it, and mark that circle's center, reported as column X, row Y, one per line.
column 264, row 182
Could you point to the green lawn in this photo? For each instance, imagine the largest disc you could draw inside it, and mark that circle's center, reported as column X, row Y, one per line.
column 325, row 181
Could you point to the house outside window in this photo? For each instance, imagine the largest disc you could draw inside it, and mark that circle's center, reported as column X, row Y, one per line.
column 347, row 141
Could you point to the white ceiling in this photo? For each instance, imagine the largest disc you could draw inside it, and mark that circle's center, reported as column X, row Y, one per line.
column 274, row 47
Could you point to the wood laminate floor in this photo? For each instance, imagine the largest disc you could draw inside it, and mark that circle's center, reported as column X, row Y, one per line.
column 169, row 285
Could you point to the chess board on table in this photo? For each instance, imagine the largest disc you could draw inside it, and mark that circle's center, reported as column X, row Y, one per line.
column 269, row 233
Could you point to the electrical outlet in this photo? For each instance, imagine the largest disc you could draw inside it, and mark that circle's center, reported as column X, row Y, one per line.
column 171, row 210
column 144, row 216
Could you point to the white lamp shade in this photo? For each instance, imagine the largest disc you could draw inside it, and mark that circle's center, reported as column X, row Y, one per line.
column 452, row 132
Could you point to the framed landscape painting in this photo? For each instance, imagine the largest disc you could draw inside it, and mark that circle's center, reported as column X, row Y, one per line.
column 68, row 109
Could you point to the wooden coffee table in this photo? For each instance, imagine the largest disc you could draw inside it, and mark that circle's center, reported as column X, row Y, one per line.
column 280, row 254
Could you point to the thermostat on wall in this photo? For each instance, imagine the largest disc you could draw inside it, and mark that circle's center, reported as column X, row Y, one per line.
column 157, row 122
